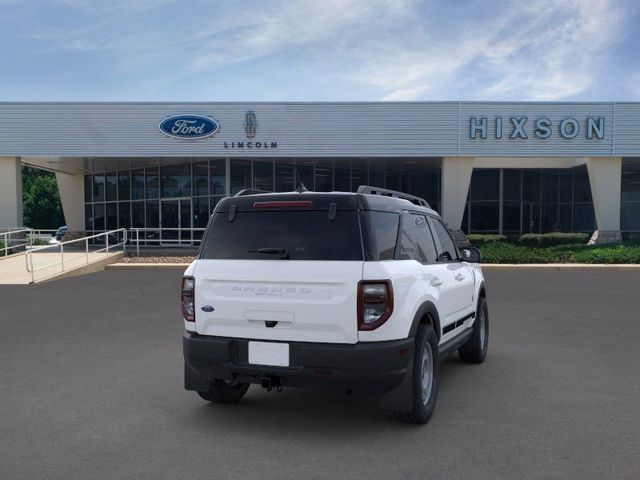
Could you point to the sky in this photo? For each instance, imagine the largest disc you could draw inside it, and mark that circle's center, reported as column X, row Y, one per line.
column 319, row 50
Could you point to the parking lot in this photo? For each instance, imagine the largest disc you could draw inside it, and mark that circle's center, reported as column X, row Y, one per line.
column 91, row 387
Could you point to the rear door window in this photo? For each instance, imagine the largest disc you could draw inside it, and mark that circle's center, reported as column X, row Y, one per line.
column 416, row 242
column 382, row 228
column 290, row 234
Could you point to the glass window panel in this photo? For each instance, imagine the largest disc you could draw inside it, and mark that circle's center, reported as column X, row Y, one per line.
column 630, row 182
column 324, row 179
column 550, row 221
column 358, row 177
column 447, row 247
column 342, row 180
column 152, row 182
column 485, row 184
column 465, row 219
column 88, row 218
column 485, row 216
column 200, row 212
column 152, row 214
column 112, row 216
column 582, row 189
column 304, row 174
column 240, row 175
column 511, row 184
column 98, row 188
column 376, row 175
column 383, row 233
column 137, row 184
column 565, row 218
column 124, row 185
column 88, row 188
column 583, row 218
column 550, row 187
column 98, row 216
column 201, row 178
column 111, row 186
column 137, row 214
column 284, row 178
column 511, row 217
column 217, row 169
column 566, row 186
column 630, row 217
column 124, row 215
column 176, row 180
column 531, row 186
column 263, row 175
column 392, row 180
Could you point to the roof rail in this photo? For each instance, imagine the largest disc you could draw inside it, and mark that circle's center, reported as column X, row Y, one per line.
column 250, row 191
column 392, row 193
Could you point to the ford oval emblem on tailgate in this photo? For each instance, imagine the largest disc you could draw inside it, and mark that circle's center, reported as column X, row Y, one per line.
column 189, row 126
column 207, row 308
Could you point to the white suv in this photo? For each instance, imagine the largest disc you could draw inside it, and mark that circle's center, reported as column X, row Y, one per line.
column 357, row 292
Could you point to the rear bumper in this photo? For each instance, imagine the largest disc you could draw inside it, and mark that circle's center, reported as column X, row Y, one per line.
column 374, row 367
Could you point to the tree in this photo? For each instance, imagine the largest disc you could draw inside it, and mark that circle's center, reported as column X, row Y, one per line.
column 41, row 207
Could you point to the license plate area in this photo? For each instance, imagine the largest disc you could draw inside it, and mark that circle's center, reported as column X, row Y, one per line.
column 269, row 353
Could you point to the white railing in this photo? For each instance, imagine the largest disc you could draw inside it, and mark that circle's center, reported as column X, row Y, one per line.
column 26, row 236
column 165, row 237
column 93, row 239
column 7, row 241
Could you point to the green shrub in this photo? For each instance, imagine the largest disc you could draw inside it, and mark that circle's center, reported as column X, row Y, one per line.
column 607, row 254
column 1, row 249
column 553, row 239
column 481, row 239
column 503, row 252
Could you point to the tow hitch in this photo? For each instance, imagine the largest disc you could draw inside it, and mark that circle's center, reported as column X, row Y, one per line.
column 269, row 383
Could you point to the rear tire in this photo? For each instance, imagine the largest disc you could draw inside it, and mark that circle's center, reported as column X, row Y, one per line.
column 475, row 349
column 425, row 377
column 222, row 392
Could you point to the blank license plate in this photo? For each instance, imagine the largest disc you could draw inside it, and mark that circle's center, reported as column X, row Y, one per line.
column 268, row 353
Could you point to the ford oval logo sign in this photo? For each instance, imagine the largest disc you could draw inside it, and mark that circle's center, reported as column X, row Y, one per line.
column 189, row 126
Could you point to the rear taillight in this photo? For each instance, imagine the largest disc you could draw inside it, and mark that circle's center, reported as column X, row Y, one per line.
column 375, row 303
column 187, row 298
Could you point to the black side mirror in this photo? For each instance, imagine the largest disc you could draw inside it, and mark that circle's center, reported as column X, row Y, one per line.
column 471, row 255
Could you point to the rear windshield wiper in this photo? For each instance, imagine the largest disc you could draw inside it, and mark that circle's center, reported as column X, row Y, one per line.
column 284, row 254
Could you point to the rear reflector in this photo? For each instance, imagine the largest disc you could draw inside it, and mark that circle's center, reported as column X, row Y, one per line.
column 284, row 204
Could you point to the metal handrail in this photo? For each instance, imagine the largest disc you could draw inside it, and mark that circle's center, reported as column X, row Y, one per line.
column 137, row 240
column 7, row 239
column 60, row 246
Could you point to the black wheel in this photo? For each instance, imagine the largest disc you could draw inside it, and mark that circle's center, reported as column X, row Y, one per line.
column 475, row 349
column 425, row 377
column 223, row 392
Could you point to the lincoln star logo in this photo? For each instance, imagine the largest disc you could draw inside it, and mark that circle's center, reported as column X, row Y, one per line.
column 250, row 124
column 189, row 126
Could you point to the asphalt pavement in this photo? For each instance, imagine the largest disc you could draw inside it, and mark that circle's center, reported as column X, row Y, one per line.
column 91, row 388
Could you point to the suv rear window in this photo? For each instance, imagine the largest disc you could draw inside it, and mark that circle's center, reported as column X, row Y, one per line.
column 303, row 235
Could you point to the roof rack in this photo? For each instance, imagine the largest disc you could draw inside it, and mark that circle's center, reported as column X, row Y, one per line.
column 366, row 189
column 250, row 191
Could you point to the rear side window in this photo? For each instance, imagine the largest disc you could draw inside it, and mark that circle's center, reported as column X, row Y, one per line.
column 290, row 234
column 382, row 228
column 447, row 247
column 416, row 242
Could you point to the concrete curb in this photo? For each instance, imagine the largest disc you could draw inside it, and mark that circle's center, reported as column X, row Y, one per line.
column 146, row 266
column 489, row 266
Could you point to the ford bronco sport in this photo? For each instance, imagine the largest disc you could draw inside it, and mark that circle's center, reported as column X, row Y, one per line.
column 361, row 292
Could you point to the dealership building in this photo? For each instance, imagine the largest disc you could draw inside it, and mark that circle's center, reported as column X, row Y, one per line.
column 487, row 167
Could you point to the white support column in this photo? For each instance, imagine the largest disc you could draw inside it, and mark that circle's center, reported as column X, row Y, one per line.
column 71, row 189
column 605, row 177
column 456, row 177
column 10, row 192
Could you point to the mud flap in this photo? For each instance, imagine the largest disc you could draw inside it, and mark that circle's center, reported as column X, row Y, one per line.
column 400, row 398
column 193, row 380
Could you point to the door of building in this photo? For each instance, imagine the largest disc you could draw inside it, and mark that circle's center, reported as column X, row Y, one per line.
column 530, row 217
column 176, row 222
